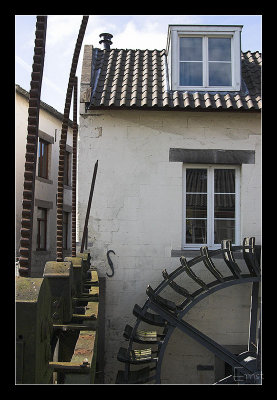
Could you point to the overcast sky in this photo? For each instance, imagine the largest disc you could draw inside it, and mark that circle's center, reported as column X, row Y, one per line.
column 129, row 32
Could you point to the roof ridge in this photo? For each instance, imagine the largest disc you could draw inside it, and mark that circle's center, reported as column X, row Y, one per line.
column 252, row 52
column 118, row 49
column 43, row 105
column 159, row 50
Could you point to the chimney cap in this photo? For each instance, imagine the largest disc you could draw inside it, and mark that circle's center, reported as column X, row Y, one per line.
column 106, row 35
column 106, row 40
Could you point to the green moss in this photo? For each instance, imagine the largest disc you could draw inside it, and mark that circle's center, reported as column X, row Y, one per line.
column 55, row 267
column 27, row 289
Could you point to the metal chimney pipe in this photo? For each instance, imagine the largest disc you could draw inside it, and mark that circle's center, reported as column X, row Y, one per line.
column 106, row 40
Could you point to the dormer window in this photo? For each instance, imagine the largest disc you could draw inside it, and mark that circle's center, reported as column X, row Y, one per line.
column 204, row 57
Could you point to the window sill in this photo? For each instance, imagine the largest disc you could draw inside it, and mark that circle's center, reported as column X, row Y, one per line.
column 214, row 89
column 44, row 180
column 195, row 253
column 43, row 251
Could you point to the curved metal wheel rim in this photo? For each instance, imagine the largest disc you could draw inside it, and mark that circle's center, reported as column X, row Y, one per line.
column 201, row 297
column 199, row 294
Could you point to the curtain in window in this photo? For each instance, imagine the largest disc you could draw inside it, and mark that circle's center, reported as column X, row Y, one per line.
column 196, row 205
column 224, row 204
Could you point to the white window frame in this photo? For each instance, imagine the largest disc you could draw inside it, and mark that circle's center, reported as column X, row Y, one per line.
column 205, row 32
column 210, row 205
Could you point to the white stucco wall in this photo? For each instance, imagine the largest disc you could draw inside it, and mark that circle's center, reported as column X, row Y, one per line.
column 137, row 212
column 44, row 190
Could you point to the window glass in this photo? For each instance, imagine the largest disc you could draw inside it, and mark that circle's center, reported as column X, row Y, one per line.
column 220, row 74
column 40, row 213
column 196, row 180
column 219, row 49
column 43, row 159
column 205, row 61
column 196, row 205
column 191, row 66
column 42, row 235
column 41, row 228
column 196, row 231
column 190, row 49
column 224, row 204
column 191, row 74
column 224, row 230
column 210, row 205
column 219, row 57
column 224, row 180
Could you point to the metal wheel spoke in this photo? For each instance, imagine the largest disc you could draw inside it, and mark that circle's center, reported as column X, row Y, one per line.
column 252, row 342
column 227, row 380
column 167, row 314
column 201, row 338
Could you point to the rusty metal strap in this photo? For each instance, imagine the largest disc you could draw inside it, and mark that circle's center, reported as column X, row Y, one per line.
column 72, row 80
column 31, row 149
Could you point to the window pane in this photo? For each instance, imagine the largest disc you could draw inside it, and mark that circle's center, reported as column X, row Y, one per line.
column 190, row 49
column 224, row 230
column 42, row 235
column 219, row 49
column 220, row 74
column 196, row 180
column 196, row 231
column 224, row 206
column 196, row 206
column 41, row 213
column 191, row 74
column 42, row 161
column 224, row 181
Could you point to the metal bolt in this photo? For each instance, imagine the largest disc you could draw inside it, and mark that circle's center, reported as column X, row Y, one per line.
column 55, row 315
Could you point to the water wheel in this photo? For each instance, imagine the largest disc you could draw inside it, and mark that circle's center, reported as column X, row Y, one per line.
column 159, row 311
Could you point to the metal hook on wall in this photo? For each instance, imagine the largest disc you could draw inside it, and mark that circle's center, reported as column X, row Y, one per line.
column 110, row 263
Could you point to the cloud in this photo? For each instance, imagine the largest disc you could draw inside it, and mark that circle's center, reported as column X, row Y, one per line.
column 23, row 64
column 61, row 28
column 135, row 31
column 130, row 31
column 45, row 79
column 140, row 37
